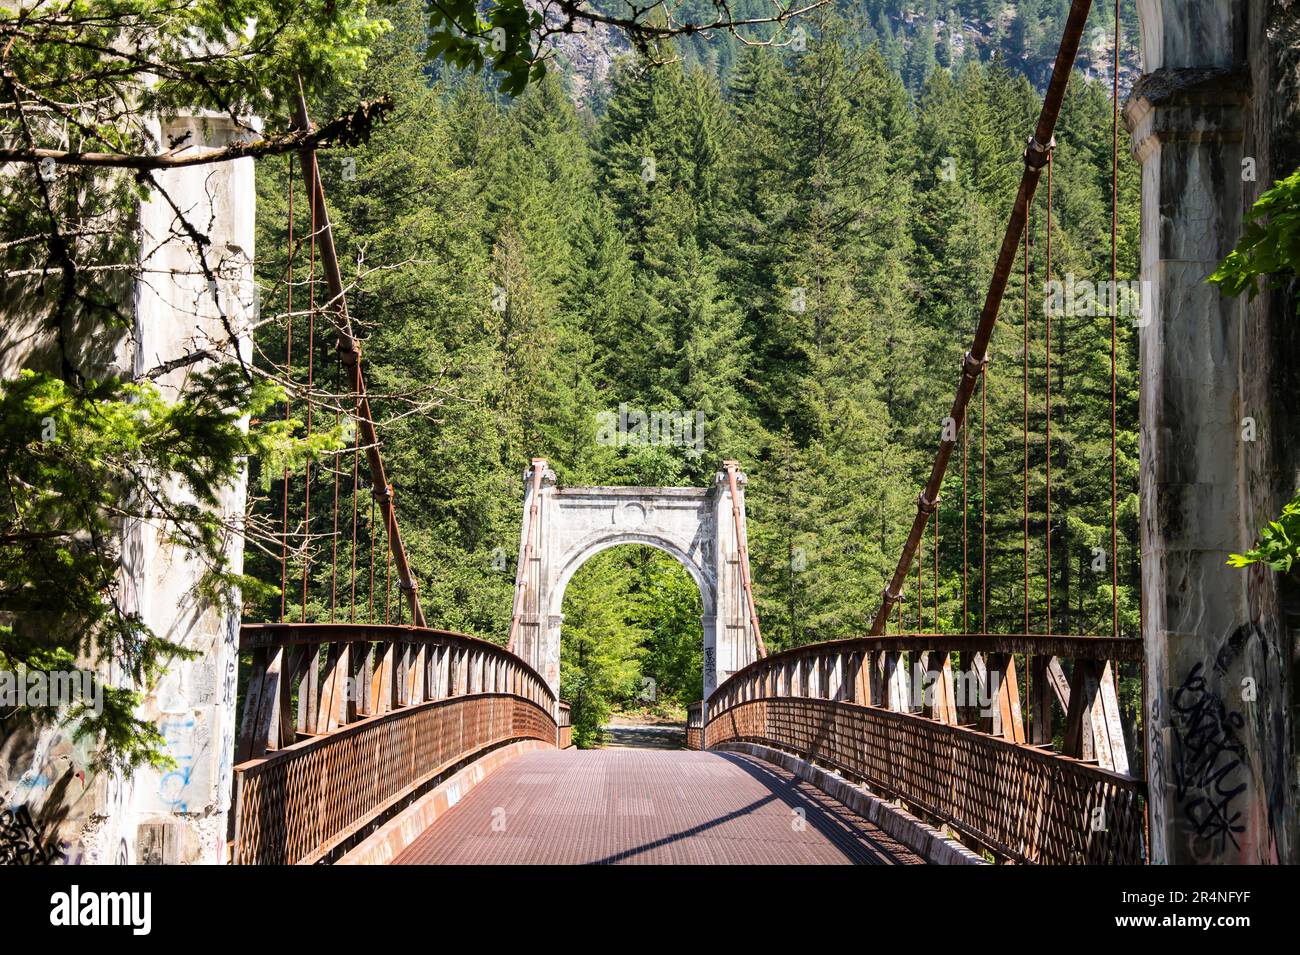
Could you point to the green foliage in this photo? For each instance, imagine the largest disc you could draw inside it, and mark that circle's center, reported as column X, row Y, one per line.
column 1278, row 544
column 85, row 466
column 94, row 468
column 460, row 30
column 601, row 649
column 142, row 57
column 631, row 638
column 1270, row 244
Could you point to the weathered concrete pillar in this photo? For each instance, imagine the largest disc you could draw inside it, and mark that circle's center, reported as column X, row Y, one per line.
column 1218, row 652
column 180, row 815
column 177, row 815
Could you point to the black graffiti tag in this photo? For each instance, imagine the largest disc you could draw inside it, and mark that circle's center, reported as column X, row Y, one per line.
column 22, row 842
column 1208, row 757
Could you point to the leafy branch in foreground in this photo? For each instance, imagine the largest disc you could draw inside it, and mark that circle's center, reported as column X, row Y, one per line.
column 1278, row 544
column 1269, row 247
column 87, row 89
column 84, row 468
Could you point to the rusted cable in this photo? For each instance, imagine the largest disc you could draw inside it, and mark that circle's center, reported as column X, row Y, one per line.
column 388, row 554
column 334, row 541
column 730, row 468
column 935, row 581
column 356, row 463
column 1025, row 433
column 920, row 585
column 350, row 353
column 1035, row 158
column 370, row 616
column 522, row 571
column 1048, row 322
column 1025, row 478
column 311, row 352
column 965, row 532
column 288, row 404
column 984, row 501
column 1114, row 309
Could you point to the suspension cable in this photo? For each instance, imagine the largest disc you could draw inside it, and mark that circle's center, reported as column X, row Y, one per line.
column 1035, row 157
column 356, row 461
column 1024, row 487
column 1048, row 364
column 311, row 352
column 984, row 501
column 1114, row 308
column 288, row 405
column 350, row 352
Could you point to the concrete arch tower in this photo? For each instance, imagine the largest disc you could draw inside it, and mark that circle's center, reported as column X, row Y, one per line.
column 571, row 524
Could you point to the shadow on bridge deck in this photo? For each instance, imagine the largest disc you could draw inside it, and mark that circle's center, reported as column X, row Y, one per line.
column 630, row 806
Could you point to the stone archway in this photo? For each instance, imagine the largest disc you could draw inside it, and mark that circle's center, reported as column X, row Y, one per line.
column 572, row 524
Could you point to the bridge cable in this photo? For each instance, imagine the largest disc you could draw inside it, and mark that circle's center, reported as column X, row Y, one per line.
column 388, row 555
column 984, row 500
column 920, row 584
column 370, row 616
column 288, row 404
column 1048, row 364
column 350, row 353
column 334, row 541
column 1114, row 308
column 1025, row 478
column 965, row 532
column 311, row 352
column 356, row 463
column 936, row 565
column 1024, row 486
column 1035, row 156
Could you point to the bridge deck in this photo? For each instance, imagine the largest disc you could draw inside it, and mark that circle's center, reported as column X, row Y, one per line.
column 630, row 806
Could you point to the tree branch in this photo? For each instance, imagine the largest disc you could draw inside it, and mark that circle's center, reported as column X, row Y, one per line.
column 350, row 129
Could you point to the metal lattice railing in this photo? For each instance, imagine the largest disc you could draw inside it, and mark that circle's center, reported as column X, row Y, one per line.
column 390, row 710
column 1017, row 802
column 895, row 713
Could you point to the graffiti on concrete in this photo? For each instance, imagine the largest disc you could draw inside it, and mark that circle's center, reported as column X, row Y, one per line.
column 1208, row 762
column 1156, row 806
column 25, row 842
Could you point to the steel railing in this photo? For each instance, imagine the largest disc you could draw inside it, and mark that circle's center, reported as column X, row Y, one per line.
column 342, row 722
column 894, row 713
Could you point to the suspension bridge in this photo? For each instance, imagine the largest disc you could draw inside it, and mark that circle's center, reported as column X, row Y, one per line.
column 376, row 738
column 350, row 726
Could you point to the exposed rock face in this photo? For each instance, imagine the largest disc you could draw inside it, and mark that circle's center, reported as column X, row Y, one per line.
column 1219, row 415
column 586, row 60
